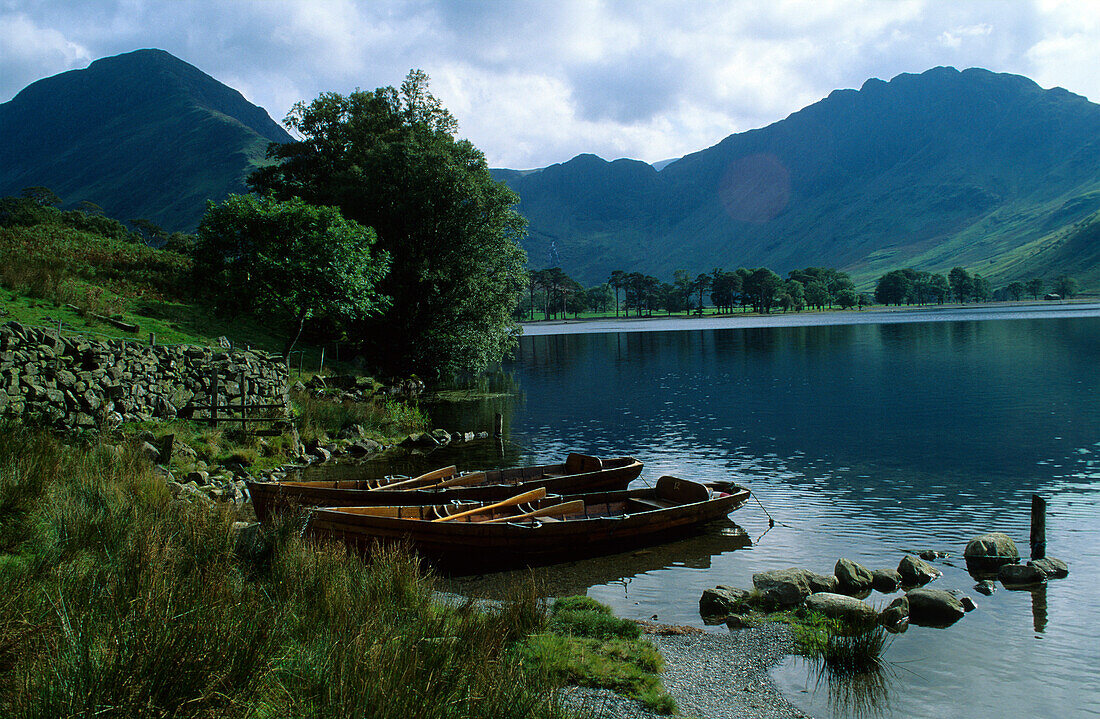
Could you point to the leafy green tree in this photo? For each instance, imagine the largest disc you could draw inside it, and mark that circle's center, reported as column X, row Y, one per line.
column 938, row 288
column 763, row 287
column 797, row 293
column 599, row 298
column 962, row 284
column 893, row 288
column 724, row 288
column 389, row 160
column 42, row 195
column 1034, row 287
column 817, row 294
column 847, row 298
column 1065, row 286
column 617, row 281
column 699, row 285
column 981, row 288
column 288, row 262
column 1015, row 290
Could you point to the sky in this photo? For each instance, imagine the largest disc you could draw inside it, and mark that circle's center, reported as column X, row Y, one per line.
column 534, row 83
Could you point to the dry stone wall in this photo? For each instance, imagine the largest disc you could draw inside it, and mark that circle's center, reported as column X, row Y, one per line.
column 76, row 382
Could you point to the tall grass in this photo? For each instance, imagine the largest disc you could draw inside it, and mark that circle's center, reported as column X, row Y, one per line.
column 379, row 417
column 122, row 602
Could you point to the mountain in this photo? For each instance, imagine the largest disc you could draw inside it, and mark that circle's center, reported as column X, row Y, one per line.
column 972, row 168
column 143, row 135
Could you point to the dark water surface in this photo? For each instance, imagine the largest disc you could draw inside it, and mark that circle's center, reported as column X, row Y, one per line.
column 863, row 441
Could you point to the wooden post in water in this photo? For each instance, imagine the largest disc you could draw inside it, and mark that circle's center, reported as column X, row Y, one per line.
column 498, row 425
column 1038, row 527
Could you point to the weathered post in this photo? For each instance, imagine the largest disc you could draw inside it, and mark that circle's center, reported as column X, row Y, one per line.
column 498, row 425
column 152, row 339
column 214, row 396
column 321, row 367
column 1038, row 527
column 244, row 402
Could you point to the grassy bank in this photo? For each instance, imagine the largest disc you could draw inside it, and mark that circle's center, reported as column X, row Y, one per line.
column 122, row 602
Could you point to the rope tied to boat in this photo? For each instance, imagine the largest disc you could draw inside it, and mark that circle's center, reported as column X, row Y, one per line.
column 771, row 520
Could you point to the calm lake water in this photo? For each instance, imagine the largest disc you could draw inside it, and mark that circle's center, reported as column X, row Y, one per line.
column 863, row 441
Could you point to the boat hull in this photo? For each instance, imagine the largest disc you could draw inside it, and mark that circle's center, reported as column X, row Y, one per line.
column 475, row 547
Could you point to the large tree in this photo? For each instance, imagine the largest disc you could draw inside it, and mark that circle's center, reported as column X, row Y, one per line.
column 288, row 263
column 389, row 159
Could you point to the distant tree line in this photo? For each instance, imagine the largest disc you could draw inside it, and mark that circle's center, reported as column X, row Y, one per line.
column 916, row 287
column 551, row 293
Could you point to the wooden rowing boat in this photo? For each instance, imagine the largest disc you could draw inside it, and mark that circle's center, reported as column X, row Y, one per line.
column 578, row 473
column 466, row 538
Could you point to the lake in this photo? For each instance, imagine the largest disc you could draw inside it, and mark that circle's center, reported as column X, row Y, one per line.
column 863, row 440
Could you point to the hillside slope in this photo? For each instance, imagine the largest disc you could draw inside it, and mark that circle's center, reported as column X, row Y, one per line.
column 143, row 135
column 945, row 168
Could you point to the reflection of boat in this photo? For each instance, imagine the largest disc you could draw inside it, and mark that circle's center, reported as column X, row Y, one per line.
column 472, row 537
column 578, row 576
column 578, row 473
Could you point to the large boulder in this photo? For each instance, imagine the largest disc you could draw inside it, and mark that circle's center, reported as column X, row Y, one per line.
column 934, row 608
column 916, row 572
column 989, row 552
column 851, row 576
column 721, row 601
column 896, row 615
column 885, row 580
column 821, row 582
column 839, row 606
column 1021, row 576
column 783, row 587
column 1053, row 568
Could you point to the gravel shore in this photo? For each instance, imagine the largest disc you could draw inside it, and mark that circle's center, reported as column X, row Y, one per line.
column 711, row 676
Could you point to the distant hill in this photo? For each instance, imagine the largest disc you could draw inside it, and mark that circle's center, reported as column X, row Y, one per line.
column 972, row 168
column 143, row 135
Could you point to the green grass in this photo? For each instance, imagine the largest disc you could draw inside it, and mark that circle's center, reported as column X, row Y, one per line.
column 122, row 602
column 588, row 646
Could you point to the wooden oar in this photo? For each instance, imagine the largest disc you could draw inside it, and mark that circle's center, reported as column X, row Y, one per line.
column 427, row 477
column 460, row 481
column 531, row 496
column 574, row 507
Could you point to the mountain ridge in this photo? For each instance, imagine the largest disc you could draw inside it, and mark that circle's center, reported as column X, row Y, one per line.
column 142, row 134
column 932, row 169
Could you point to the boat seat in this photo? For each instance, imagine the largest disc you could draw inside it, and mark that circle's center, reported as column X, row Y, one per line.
column 582, row 464
column 681, row 491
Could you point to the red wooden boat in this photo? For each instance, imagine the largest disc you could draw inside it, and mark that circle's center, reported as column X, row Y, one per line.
column 578, row 473
column 533, row 528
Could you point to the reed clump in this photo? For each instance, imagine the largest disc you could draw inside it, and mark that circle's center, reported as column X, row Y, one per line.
column 120, row 602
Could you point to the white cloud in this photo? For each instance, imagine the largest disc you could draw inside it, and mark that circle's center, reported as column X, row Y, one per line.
column 534, row 83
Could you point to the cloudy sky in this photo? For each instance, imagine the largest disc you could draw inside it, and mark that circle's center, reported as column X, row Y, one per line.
column 533, row 83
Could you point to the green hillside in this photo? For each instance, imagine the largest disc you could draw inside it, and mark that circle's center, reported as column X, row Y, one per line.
column 945, row 168
column 143, row 135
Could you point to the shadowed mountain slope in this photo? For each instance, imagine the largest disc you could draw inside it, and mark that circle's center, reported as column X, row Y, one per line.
column 144, row 135
column 945, row 168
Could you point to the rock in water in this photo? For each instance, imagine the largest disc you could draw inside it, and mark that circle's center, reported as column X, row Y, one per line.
column 839, row 606
column 986, row 587
column 1053, row 568
column 851, row 576
column 1015, row 576
column 916, row 572
column 896, row 615
column 721, row 601
column 821, row 582
column 934, row 608
column 782, row 587
column 885, row 580
column 989, row 552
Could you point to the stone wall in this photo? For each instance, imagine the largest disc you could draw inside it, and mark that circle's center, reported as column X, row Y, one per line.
column 76, row 382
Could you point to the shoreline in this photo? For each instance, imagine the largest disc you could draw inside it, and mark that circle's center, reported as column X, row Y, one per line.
column 882, row 315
